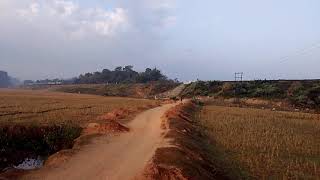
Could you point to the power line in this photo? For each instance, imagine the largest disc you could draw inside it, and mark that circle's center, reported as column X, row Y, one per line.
column 301, row 52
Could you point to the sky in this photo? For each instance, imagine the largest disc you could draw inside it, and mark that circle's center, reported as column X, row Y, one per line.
column 188, row 40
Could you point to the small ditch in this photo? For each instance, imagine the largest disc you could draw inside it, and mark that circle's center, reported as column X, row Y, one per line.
column 27, row 147
column 30, row 163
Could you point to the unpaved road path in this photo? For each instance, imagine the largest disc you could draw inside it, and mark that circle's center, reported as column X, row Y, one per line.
column 119, row 157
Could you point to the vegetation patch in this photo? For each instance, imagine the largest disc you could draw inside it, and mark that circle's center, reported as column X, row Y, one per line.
column 304, row 93
column 19, row 142
column 137, row 90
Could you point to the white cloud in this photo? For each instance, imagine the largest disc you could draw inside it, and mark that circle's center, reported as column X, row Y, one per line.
column 161, row 4
column 63, row 8
column 111, row 22
column 30, row 12
column 75, row 36
column 34, row 7
column 169, row 21
column 161, row 13
column 73, row 20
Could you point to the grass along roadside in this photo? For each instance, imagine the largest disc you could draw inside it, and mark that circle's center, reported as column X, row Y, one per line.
column 266, row 144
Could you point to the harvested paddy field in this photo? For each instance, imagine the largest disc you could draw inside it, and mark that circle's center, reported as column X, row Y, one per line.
column 263, row 143
column 41, row 123
column 43, row 107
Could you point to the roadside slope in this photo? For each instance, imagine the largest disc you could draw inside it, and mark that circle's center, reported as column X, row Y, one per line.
column 186, row 154
column 175, row 92
column 118, row 157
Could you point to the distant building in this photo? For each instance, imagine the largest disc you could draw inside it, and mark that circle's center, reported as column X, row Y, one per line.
column 4, row 79
column 42, row 82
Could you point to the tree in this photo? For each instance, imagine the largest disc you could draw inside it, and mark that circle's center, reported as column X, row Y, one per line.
column 119, row 68
column 121, row 75
column 128, row 68
column 151, row 75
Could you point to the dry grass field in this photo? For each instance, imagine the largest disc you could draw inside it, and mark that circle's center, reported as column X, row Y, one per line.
column 39, row 122
column 265, row 144
column 27, row 106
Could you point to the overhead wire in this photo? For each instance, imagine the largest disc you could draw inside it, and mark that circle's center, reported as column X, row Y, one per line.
column 300, row 52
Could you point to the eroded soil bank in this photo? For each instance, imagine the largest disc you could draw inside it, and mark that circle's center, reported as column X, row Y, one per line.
column 122, row 156
column 55, row 144
column 186, row 154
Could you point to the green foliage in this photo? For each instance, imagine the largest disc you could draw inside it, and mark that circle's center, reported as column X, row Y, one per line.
column 301, row 93
column 265, row 90
column 61, row 137
column 121, row 75
column 314, row 95
column 18, row 142
column 309, row 97
column 203, row 88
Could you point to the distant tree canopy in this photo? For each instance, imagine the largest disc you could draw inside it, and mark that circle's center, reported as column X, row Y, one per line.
column 121, row 75
column 4, row 79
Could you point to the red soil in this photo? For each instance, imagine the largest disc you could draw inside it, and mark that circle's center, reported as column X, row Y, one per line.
column 185, row 156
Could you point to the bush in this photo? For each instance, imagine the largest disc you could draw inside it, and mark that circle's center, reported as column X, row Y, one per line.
column 19, row 142
column 61, row 137
column 306, row 97
column 266, row 91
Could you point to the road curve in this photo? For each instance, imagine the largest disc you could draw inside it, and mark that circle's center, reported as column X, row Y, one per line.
column 114, row 158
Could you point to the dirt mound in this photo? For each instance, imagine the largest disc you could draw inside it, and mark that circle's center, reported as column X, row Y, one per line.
column 108, row 123
column 116, row 114
column 105, row 128
column 137, row 90
column 185, row 156
column 121, row 113
column 88, row 134
column 59, row 158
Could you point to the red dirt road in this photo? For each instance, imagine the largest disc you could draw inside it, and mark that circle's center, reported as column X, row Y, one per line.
column 109, row 158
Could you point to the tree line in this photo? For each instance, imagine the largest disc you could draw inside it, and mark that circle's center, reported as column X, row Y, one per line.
column 120, row 74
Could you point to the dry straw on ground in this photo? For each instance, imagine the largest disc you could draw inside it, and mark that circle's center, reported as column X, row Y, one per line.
column 26, row 106
column 267, row 144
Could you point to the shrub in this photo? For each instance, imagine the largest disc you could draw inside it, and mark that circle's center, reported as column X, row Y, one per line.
column 19, row 142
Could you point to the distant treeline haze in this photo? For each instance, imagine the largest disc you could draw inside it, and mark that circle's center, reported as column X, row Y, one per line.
column 120, row 74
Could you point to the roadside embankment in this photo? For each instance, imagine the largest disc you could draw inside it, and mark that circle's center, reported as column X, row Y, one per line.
column 186, row 154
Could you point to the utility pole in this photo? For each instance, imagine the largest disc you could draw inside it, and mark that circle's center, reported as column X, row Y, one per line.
column 238, row 77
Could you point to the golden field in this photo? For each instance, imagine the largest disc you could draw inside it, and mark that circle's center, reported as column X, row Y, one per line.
column 265, row 144
column 38, row 106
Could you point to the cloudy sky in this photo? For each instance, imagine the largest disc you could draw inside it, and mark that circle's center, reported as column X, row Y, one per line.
column 206, row 39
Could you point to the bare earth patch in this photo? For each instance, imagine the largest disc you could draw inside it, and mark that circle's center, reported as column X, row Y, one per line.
column 184, row 156
column 120, row 156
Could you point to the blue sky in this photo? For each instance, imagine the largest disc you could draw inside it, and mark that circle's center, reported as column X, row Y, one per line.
column 186, row 39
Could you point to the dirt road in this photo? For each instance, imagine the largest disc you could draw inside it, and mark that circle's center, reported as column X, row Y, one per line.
column 119, row 157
